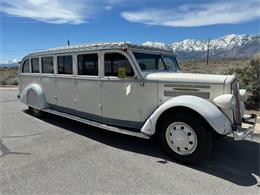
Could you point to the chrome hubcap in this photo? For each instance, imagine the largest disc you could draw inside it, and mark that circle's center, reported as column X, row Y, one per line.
column 181, row 138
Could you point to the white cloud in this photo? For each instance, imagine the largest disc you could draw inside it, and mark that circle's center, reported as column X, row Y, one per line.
column 55, row 11
column 198, row 15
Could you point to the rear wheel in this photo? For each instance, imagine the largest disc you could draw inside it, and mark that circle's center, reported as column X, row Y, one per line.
column 186, row 138
column 35, row 112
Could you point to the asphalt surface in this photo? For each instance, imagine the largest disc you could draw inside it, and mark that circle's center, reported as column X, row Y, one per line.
column 57, row 155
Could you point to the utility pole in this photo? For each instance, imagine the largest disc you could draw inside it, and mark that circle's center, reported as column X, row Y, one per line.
column 68, row 42
column 208, row 51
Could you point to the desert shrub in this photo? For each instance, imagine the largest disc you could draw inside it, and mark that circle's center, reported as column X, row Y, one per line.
column 9, row 76
column 249, row 78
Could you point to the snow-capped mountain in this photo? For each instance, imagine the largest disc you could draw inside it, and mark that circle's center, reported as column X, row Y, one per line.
column 229, row 46
column 9, row 63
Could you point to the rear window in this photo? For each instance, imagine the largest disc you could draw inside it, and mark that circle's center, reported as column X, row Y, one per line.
column 35, row 65
column 26, row 66
column 88, row 64
column 47, row 65
column 65, row 65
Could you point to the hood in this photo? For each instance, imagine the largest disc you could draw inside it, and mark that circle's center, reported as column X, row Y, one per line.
column 189, row 77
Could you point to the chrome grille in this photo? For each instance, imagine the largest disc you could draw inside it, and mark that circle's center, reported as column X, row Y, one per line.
column 236, row 111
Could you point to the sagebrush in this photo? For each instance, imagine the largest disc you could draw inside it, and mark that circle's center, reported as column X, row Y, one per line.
column 249, row 78
column 9, row 76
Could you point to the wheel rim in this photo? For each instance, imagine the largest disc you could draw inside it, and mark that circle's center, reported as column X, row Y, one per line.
column 181, row 138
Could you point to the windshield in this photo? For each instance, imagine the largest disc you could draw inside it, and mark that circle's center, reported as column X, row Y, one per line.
column 156, row 62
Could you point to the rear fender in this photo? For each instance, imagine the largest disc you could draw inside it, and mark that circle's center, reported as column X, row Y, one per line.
column 33, row 96
column 215, row 118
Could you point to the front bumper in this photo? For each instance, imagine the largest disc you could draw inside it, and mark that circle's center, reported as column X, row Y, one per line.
column 241, row 133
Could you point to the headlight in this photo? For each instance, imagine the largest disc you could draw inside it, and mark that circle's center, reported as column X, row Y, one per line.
column 226, row 101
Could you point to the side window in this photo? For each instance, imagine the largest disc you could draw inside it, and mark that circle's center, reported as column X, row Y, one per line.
column 26, row 65
column 35, row 65
column 65, row 65
column 117, row 65
column 47, row 65
column 88, row 64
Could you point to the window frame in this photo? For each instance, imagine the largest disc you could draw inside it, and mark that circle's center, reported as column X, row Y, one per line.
column 77, row 65
column 53, row 61
column 57, row 64
column 128, row 57
column 29, row 64
column 38, row 64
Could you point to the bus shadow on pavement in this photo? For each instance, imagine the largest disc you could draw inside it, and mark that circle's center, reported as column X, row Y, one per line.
column 236, row 162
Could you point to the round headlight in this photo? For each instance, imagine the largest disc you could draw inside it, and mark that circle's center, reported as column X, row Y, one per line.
column 226, row 101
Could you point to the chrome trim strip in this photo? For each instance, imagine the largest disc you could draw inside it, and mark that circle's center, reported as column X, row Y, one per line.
column 188, row 86
column 236, row 111
column 204, row 95
column 185, row 89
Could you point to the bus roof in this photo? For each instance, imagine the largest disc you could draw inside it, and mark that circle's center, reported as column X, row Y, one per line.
column 100, row 46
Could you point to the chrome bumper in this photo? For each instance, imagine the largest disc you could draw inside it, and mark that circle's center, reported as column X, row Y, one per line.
column 245, row 133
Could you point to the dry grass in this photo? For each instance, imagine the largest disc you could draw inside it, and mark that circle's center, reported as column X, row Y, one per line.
column 8, row 76
column 214, row 66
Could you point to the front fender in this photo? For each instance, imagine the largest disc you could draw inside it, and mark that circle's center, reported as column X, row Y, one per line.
column 33, row 96
column 216, row 119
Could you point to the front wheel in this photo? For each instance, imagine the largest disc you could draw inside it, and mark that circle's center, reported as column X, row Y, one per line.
column 186, row 138
column 35, row 112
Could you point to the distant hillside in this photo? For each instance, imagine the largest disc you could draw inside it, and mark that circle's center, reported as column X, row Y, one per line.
column 230, row 46
column 9, row 65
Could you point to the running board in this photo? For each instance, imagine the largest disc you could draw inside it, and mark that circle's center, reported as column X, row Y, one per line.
column 96, row 124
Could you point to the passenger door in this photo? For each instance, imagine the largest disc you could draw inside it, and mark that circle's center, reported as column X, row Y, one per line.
column 48, row 80
column 65, row 81
column 87, row 85
column 120, row 90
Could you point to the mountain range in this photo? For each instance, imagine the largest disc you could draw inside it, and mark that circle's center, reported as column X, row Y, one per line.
column 9, row 63
column 229, row 46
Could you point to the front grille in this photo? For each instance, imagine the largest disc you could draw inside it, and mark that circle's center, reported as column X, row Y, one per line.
column 236, row 111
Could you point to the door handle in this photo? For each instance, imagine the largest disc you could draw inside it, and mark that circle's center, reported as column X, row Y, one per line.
column 101, row 83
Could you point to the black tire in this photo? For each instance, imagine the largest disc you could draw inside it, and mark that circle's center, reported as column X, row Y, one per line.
column 203, row 134
column 216, row 135
column 35, row 112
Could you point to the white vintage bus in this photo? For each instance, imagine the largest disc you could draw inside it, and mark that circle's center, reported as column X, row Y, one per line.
column 136, row 90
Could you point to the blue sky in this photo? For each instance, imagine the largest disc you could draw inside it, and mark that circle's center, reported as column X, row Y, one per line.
column 31, row 25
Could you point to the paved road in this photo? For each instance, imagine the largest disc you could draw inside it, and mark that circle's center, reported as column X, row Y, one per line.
column 56, row 155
